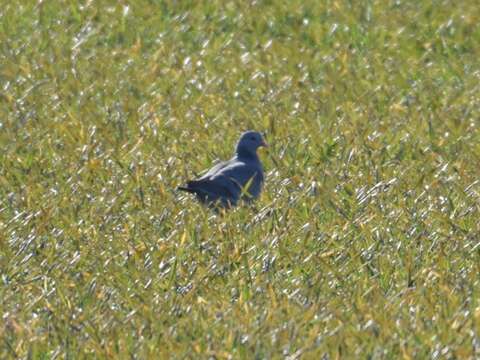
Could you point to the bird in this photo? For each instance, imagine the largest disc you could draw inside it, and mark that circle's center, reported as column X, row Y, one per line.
column 240, row 178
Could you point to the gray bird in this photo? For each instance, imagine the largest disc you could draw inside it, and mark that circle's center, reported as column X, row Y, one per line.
column 241, row 177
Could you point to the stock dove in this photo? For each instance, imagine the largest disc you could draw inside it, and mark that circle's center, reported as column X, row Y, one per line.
column 240, row 178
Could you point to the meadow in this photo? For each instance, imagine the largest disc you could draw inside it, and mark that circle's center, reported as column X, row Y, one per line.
column 365, row 243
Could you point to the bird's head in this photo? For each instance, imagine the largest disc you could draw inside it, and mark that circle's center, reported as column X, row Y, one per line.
column 249, row 142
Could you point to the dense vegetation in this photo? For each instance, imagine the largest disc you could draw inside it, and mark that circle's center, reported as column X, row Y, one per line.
column 366, row 241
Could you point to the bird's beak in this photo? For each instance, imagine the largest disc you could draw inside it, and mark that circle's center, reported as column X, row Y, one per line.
column 264, row 143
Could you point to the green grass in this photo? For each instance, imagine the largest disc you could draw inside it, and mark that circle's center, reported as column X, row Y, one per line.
column 365, row 243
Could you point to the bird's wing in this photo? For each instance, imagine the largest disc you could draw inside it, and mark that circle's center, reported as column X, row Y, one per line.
column 228, row 182
column 214, row 188
column 240, row 177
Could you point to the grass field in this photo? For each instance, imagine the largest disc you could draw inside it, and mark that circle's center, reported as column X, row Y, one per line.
column 365, row 242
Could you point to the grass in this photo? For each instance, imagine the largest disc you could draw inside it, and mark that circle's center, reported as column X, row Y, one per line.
column 365, row 243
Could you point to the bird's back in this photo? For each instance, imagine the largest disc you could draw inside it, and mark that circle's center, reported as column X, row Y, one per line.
column 228, row 182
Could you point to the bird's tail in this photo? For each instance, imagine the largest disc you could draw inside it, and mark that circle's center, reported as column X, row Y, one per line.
column 186, row 189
